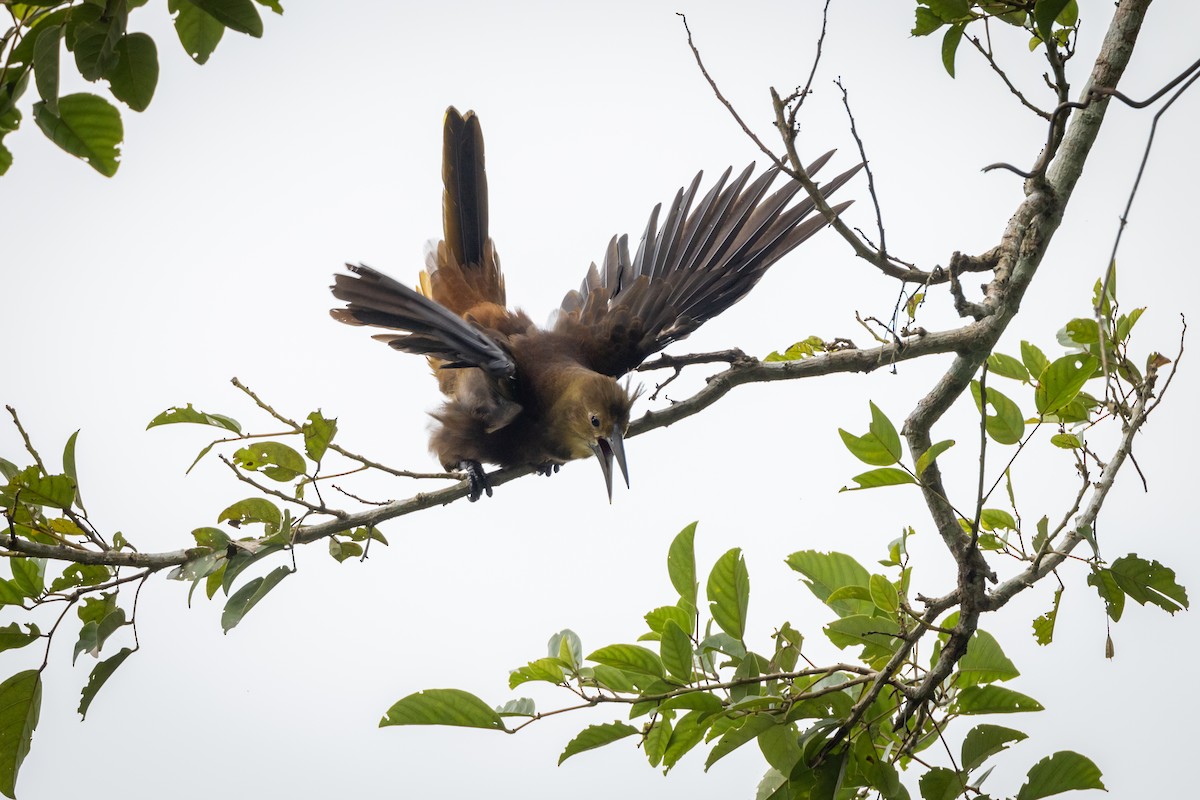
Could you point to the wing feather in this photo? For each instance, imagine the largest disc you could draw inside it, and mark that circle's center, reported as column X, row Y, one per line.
column 693, row 266
column 373, row 298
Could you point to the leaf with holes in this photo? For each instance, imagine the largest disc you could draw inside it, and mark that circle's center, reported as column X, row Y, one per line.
column 1007, row 424
column 1064, row 771
column 1062, row 381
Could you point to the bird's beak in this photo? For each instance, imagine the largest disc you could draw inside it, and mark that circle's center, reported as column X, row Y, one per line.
column 606, row 449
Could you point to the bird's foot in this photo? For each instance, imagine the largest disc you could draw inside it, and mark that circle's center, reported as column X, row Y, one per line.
column 548, row 468
column 476, row 478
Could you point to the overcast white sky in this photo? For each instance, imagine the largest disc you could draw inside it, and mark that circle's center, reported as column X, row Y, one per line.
column 250, row 180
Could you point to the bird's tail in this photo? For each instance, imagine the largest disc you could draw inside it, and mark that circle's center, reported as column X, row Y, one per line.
column 462, row 272
column 464, row 202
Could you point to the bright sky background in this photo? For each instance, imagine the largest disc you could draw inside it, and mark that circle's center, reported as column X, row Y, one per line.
column 249, row 181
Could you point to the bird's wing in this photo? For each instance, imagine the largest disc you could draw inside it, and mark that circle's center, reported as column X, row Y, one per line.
column 373, row 298
column 693, row 266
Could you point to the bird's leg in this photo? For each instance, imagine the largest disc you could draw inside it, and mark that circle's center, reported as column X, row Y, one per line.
column 476, row 478
column 548, row 468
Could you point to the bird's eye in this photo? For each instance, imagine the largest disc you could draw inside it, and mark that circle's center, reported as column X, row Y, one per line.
column 595, row 421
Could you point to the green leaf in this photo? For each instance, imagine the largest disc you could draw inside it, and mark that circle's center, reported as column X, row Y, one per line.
column 931, row 454
column 729, row 593
column 780, row 746
column 595, row 736
column 1125, row 323
column 80, row 575
column 984, row 741
column 1007, row 424
column 694, row 701
column 318, row 433
column 1043, row 626
column 443, row 707
column 656, row 740
column 198, row 31
column 275, row 460
column 884, row 476
column 251, row 510
column 824, row 573
column 95, row 633
column 687, row 732
column 1064, row 771
column 1081, row 331
column 927, row 22
column 69, row 470
column 1067, row 441
column 10, row 593
column 274, row 5
column 629, row 658
column 800, row 350
column 1062, row 381
column 225, row 577
column 1044, row 14
column 676, row 650
column 20, row 705
column 94, row 609
column 28, row 574
column 734, row 738
column 135, row 75
column 237, row 15
column 1033, row 359
column 1069, row 15
column 1143, row 581
column 1007, row 367
column 884, row 595
column 215, row 538
column 95, row 45
column 46, row 53
column 245, row 598
column 544, row 669
column 13, row 638
column 867, row 449
column 57, row 491
column 190, row 414
column 100, row 674
column 565, row 645
column 659, row 617
column 343, row 550
column 885, row 432
column 997, row 519
column 877, row 633
column 681, row 564
column 985, row 662
column 993, row 700
column 948, row 10
column 940, row 783
column 950, row 46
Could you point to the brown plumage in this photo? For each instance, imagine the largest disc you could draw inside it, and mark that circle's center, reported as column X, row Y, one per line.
column 523, row 395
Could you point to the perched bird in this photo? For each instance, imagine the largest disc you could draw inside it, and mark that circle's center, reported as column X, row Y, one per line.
column 519, row 394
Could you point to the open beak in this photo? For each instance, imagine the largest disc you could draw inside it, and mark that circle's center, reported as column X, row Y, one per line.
column 606, row 449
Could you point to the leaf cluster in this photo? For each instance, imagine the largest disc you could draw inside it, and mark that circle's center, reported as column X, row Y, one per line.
column 96, row 35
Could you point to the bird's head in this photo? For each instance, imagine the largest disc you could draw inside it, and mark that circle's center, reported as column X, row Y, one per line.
column 596, row 415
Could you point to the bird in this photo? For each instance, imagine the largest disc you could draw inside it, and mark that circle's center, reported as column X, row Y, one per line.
column 522, row 395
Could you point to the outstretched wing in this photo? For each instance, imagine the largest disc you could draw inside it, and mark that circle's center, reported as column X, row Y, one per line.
column 373, row 298
column 695, row 265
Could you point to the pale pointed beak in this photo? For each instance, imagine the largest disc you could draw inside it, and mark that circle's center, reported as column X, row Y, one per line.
column 608, row 449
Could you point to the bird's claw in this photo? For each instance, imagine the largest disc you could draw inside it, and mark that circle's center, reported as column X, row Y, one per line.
column 548, row 469
column 476, row 479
